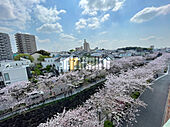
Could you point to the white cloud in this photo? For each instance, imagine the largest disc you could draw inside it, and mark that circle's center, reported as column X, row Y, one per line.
column 91, row 7
column 118, row 5
column 92, row 22
column 17, row 12
column 81, row 24
column 105, row 17
column 6, row 12
column 67, row 37
column 149, row 38
column 149, row 13
column 46, row 15
column 44, row 41
column 153, row 39
column 49, row 17
column 49, row 28
column 156, row 40
column 5, row 29
column 104, row 32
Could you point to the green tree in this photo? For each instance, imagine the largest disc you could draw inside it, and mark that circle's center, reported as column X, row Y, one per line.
column 48, row 68
column 39, row 66
column 37, row 71
column 42, row 57
column 53, row 55
column 43, row 52
column 72, row 50
column 26, row 56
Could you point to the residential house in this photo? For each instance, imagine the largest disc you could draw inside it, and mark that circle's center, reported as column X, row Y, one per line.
column 36, row 56
column 14, row 71
column 61, row 63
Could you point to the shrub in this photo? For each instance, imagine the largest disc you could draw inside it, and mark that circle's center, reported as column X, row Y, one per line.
column 48, row 68
column 150, row 80
column 37, row 71
column 86, row 80
column 72, row 50
column 39, row 66
column 42, row 57
column 165, row 70
column 26, row 56
column 35, row 81
column 108, row 123
column 135, row 95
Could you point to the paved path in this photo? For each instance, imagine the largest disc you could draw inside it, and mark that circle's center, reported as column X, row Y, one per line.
column 153, row 114
column 61, row 96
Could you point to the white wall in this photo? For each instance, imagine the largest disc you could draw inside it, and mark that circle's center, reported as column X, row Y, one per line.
column 63, row 64
column 14, row 64
column 15, row 74
column 106, row 64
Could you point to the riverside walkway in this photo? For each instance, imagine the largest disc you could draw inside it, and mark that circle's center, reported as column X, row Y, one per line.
column 153, row 115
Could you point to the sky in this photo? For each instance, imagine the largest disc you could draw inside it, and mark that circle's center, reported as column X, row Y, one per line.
column 64, row 24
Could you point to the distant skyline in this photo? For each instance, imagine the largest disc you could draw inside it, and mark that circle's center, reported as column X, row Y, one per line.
column 63, row 25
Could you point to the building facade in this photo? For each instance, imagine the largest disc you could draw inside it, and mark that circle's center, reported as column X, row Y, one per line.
column 62, row 64
column 25, row 43
column 79, row 48
column 5, row 47
column 36, row 56
column 14, row 71
column 86, row 46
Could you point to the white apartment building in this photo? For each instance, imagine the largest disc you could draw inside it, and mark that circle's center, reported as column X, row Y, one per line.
column 14, row 71
column 86, row 46
column 61, row 64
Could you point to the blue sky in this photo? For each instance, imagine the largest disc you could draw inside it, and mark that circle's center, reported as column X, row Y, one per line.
column 62, row 25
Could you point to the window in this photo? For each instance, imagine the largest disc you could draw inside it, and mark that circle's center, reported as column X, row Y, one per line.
column 6, row 75
column 8, row 83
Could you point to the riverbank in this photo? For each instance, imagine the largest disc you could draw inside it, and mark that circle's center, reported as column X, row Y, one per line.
column 35, row 116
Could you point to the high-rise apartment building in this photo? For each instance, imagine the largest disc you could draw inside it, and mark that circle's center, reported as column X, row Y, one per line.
column 25, row 43
column 5, row 47
column 86, row 46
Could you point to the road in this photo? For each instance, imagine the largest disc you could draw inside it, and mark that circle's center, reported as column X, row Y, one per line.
column 153, row 114
column 61, row 96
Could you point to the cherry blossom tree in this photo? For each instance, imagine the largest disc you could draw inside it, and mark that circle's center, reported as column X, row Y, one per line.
column 114, row 99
